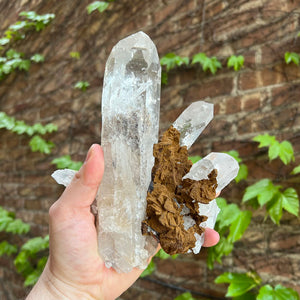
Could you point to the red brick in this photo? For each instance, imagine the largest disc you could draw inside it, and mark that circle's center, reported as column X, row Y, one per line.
column 286, row 94
column 233, row 105
column 256, row 79
column 212, row 88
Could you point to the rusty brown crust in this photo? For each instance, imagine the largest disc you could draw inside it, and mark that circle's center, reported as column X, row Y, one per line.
column 171, row 194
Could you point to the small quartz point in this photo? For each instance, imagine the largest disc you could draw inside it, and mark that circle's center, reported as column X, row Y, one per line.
column 130, row 123
column 63, row 176
column 190, row 124
column 227, row 168
column 192, row 121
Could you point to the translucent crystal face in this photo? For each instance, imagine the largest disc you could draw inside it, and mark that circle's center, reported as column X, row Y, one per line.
column 130, row 120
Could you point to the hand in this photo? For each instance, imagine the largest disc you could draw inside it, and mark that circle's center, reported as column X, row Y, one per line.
column 74, row 269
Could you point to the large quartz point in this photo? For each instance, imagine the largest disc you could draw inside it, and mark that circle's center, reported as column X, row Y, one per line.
column 130, row 122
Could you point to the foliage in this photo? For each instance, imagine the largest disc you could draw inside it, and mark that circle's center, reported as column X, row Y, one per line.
column 241, row 283
column 101, row 6
column 185, row 296
column 8, row 223
column 31, row 21
column 283, row 150
column 81, row 85
column 231, row 224
column 7, row 248
column 65, row 161
column 292, row 57
column 280, row 292
column 236, row 62
column 37, row 58
column 171, row 60
column 75, row 54
column 296, row 170
column 149, row 270
column 195, row 158
column 37, row 143
column 208, row 63
column 13, row 60
column 27, row 263
column 264, row 192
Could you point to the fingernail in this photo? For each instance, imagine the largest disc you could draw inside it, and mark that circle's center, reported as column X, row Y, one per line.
column 89, row 154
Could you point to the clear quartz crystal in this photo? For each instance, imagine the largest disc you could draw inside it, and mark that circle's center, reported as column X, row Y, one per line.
column 130, row 121
column 190, row 124
column 192, row 121
column 227, row 168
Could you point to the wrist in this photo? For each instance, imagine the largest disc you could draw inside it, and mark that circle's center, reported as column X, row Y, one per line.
column 49, row 287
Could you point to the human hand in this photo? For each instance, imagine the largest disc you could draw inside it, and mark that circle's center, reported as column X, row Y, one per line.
column 74, row 269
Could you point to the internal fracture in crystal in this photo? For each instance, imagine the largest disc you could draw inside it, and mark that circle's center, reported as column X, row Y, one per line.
column 130, row 120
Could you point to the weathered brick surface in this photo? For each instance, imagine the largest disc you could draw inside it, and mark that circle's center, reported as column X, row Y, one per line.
column 263, row 97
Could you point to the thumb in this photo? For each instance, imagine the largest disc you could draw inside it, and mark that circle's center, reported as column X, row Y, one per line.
column 81, row 192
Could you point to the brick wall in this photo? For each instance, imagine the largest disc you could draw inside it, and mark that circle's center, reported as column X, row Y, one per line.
column 261, row 98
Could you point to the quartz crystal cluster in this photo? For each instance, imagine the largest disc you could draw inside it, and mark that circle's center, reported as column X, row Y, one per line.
column 130, row 121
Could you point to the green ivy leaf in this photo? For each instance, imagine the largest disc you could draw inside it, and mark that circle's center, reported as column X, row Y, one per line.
column 171, row 60
column 5, row 221
column 239, row 226
column 263, row 190
column 7, row 248
column 185, row 296
column 295, row 171
column 81, row 85
column 274, row 150
column 292, row 57
column 237, row 62
column 22, row 263
column 215, row 253
column 164, row 78
column 207, row 63
column 75, row 54
column 264, row 140
column 18, row 227
column 286, row 152
column 101, row 6
column 239, row 284
column 274, row 208
column 280, row 292
column 33, row 277
column 149, row 270
column 4, row 41
column 65, row 161
column 195, row 158
column 290, row 201
column 242, row 174
column 39, row 144
column 37, row 58
column 247, row 296
column 18, row 25
column 11, row 53
column 36, row 244
column 228, row 215
column 6, row 121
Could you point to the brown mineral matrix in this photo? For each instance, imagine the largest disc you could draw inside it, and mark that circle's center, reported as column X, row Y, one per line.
column 171, row 194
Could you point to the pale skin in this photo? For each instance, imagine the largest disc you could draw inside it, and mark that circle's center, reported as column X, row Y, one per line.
column 74, row 269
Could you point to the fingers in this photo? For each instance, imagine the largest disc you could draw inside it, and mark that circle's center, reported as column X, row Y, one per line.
column 211, row 237
column 82, row 191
